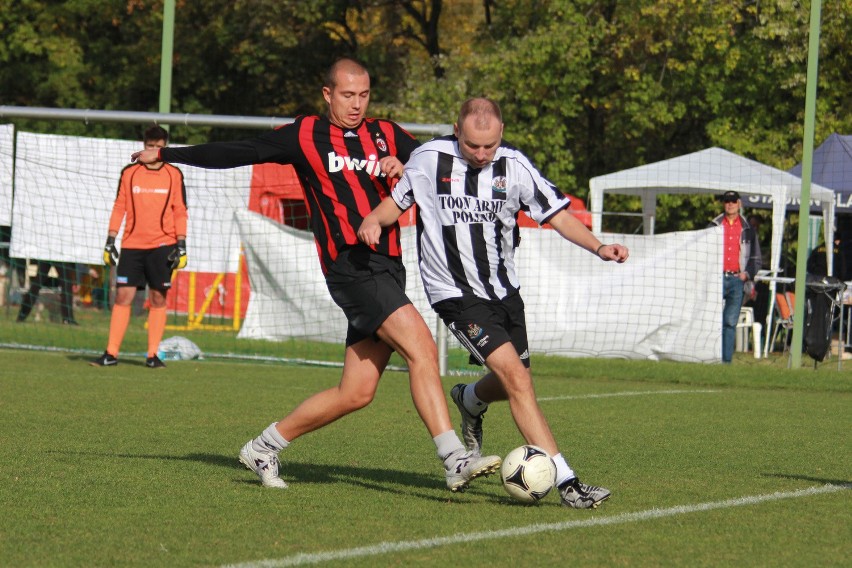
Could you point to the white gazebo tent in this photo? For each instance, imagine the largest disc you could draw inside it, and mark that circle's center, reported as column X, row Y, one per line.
column 714, row 170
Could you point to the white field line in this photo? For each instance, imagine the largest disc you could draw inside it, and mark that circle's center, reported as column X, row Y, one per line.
column 304, row 558
column 624, row 393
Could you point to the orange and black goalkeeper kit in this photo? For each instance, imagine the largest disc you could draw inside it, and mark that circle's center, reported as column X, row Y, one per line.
column 154, row 204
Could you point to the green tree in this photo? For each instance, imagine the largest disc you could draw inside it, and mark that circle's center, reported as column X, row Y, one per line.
column 587, row 87
column 590, row 87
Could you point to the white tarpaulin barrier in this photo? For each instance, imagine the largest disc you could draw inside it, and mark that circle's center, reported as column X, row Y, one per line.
column 65, row 187
column 665, row 302
column 716, row 171
column 289, row 298
column 288, row 293
column 7, row 133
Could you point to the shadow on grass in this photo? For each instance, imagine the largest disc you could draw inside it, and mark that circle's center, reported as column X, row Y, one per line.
column 377, row 479
column 129, row 361
column 845, row 483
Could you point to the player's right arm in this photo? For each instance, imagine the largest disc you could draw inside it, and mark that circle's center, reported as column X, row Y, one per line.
column 215, row 155
column 274, row 146
column 119, row 208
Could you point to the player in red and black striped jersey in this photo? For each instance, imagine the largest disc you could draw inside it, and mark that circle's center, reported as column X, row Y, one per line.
column 340, row 168
column 346, row 163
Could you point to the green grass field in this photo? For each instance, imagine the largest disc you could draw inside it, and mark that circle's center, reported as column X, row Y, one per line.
column 747, row 465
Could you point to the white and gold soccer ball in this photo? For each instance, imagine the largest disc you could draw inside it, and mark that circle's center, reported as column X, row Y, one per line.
column 528, row 473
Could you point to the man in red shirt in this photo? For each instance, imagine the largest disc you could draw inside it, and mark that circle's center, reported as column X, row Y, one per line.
column 346, row 163
column 151, row 201
column 739, row 264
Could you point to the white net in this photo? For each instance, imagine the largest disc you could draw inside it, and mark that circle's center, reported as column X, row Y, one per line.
column 7, row 133
column 664, row 303
column 65, row 187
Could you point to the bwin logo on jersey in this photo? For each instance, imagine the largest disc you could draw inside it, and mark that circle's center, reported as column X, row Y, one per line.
column 370, row 165
column 499, row 184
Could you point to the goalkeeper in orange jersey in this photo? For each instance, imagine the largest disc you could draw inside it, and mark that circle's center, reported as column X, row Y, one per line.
column 152, row 202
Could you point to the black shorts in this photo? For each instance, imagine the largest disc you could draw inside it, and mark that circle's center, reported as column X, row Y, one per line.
column 484, row 325
column 368, row 287
column 138, row 267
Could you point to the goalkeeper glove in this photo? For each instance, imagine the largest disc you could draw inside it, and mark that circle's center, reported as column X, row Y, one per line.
column 177, row 258
column 110, row 252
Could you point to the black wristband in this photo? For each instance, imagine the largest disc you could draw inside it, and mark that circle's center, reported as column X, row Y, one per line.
column 598, row 252
column 181, row 244
column 110, row 241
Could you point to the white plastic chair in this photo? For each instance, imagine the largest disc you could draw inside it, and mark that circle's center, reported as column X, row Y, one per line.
column 744, row 323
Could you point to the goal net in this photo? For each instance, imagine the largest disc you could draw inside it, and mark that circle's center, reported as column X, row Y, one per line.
column 253, row 287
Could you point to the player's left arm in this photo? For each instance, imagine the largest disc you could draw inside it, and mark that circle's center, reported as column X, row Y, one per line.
column 178, row 257
column 391, row 166
column 405, row 144
column 382, row 216
column 571, row 229
column 179, row 209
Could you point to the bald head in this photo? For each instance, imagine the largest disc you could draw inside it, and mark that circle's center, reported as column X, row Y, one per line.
column 343, row 67
column 481, row 111
column 479, row 130
column 347, row 92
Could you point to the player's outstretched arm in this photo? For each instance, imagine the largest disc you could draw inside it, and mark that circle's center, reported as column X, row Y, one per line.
column 571, row 229
column 382, row 216
column 146, row 156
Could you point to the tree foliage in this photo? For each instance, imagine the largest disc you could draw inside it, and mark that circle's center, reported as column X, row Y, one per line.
column 587, row 87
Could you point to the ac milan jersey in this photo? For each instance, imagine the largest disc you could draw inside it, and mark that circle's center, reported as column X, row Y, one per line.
column 338, row 168
column 467, row 217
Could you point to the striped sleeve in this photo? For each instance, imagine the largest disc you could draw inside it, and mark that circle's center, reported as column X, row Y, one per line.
column 540, row 197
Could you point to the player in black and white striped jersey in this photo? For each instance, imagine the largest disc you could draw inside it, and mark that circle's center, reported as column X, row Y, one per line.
column 468, row 229
column 469, row 187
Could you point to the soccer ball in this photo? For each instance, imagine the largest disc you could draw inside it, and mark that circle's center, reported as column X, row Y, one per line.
column 528, row 473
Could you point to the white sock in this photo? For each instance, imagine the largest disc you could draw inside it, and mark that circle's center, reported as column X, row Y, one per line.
column 471, row 402
column 447, row 444
column 563, row 470
column 269, row 441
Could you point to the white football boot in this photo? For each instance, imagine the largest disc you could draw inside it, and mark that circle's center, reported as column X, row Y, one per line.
column 462, row 467
column 264, row 464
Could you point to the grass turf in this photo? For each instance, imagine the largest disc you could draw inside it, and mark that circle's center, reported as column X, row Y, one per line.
column 137, row 467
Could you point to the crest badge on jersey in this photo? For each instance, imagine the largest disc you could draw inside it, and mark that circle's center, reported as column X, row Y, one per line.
column 381, row 144
column 499, row 184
